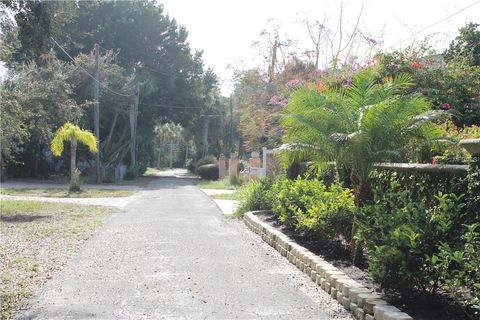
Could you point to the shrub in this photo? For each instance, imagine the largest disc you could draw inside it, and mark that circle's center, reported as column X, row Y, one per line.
column 459, row 268
column 255, row 195
column 205, row 160
column 208, row 171
column 191, row 165
column 401, row 234
column 309, row 205
column 135, row 171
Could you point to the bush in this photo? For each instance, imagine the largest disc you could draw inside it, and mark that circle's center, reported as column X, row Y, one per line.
column 135, row 171
column 309, row 205
column 255, row 195
column 191, row 165
column 401, row 234
column 459, row 268
column 205, row 160
column 208, row 171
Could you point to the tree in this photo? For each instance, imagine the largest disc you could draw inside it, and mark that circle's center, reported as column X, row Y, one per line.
column 370, row 121
column 466, row 45
column 73, row 134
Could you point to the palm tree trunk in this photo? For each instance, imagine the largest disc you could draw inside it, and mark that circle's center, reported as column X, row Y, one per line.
column 363, row 196
column 73, row 160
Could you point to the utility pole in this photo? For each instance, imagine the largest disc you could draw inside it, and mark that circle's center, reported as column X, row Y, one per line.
column 97, row 113
column 171, row 154
column 133, row 126
column 231, row 125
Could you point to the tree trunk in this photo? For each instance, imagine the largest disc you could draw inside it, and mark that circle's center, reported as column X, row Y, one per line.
column 363, row 196
column 73, row 160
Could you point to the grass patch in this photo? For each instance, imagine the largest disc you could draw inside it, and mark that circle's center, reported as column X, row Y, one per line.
column 64, row 193
column 37, row 239
column 225, row 196
column 220, row 184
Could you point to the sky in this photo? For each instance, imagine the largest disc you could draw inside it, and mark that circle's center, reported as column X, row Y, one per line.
column 225, row 30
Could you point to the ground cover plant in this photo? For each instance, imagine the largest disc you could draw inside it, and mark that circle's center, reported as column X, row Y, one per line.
column 28, row 228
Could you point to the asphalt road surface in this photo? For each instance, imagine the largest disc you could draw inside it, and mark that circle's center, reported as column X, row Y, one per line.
column 171, row 254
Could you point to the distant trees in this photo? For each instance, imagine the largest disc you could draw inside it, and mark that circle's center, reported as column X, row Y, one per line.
column 139, row 44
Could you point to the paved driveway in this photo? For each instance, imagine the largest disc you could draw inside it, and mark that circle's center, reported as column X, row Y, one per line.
column 171, row 254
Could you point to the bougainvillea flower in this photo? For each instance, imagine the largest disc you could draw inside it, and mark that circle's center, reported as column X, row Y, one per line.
column 277, row 101
column 373, row 62
column 445, row 106
column 293, row 83
column 320, row 87
column 416, row 65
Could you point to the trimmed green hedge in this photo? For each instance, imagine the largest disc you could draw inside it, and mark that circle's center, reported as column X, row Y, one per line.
column 208, row 171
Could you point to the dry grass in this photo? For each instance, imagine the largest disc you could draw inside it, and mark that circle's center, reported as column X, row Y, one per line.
column 64, row 193
column 37, row 238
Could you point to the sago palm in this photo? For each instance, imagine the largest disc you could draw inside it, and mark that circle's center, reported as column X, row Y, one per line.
column 368, row 122
column 73, row 134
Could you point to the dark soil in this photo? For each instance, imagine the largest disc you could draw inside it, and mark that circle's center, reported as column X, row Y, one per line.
column 417, row 305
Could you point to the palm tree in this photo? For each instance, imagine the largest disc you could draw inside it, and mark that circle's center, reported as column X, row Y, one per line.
column 72, row 133
column 370, row 121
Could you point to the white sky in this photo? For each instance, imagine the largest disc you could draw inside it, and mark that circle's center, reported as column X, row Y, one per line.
column 225, row 29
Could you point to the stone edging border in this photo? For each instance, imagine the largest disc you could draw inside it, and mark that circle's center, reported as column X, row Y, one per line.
column 363, row 303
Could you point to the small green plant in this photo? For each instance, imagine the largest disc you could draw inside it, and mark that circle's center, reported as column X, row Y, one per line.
column 255, row 195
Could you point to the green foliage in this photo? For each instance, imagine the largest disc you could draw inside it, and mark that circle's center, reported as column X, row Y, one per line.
column 68, row 132
column 205, row 160
column 459, row 268
column 369, row 121
column 401, row 234
column 208, row 171
column 255, row 195
column 421, row 187
column 135, row 171
column 309, row 205
column 466, row 45
column 415, row 232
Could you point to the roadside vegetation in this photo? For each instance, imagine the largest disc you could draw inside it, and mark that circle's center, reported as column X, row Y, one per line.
column 37, row 240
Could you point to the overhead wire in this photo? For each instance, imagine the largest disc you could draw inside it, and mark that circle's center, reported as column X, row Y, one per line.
column 434, row 24
column 84, row 70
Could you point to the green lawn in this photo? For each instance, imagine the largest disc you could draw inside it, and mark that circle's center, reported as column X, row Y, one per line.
column 64, row 193
column 220, row 184
column 37, row 239
column 226, row 196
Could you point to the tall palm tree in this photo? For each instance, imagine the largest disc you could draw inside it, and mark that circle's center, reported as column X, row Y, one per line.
column 370, row 121
column 72, row 133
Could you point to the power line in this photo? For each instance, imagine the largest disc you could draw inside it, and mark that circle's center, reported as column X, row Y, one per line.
column 84, row 70
column 168, row 106
column 434, row 24
column 157, row 71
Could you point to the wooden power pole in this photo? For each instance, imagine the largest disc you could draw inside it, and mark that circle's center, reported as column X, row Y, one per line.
column 97, row 113
column 133, row 126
